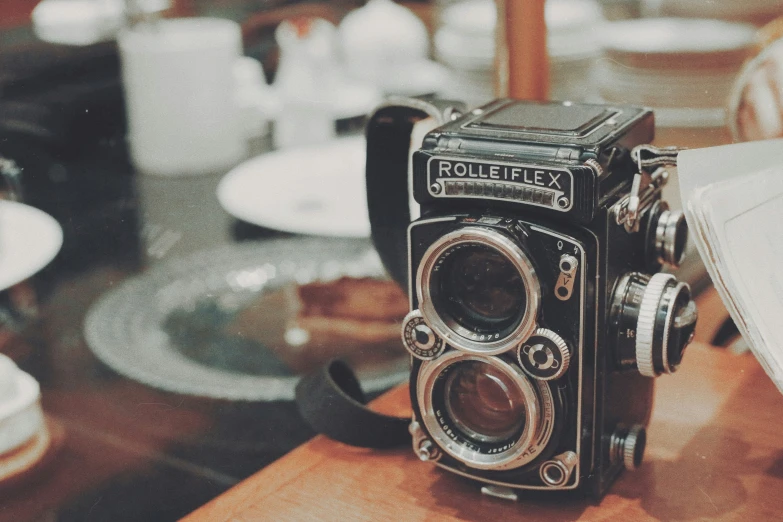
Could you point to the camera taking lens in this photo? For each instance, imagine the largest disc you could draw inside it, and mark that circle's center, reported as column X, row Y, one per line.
column 485, row 410
column 483, row 402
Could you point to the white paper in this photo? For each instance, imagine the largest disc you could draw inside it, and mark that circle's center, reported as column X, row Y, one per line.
column 734, row 208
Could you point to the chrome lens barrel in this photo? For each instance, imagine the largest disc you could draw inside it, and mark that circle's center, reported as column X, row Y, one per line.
column 484, row 411
column 478, row 290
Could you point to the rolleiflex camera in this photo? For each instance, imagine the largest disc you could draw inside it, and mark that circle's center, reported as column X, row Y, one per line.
column 539, row 312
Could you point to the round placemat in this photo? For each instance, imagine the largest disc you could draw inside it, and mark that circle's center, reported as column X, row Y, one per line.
column 142, row 328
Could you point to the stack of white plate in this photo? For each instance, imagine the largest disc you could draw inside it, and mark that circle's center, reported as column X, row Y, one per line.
column 683, row 68
column 465, row 42
column 755, row 11
column 21, row 417
column 574, row 47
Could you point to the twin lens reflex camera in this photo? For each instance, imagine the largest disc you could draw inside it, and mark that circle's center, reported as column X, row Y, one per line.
column 540, row 314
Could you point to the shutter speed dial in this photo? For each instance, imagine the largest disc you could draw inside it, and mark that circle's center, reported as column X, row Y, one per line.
column 653, row 319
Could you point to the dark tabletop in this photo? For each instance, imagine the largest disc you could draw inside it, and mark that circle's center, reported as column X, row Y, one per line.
column 130, row 452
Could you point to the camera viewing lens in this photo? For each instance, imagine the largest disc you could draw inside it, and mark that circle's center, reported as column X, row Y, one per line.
column 484, row 403
column 480, row 289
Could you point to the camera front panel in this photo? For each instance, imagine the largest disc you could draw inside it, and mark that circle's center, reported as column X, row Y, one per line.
column 500, row 312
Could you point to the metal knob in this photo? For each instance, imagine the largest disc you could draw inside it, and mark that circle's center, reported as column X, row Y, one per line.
column 557, row 472
column 419, row 339
column 628, row 446
column 671, row 238
column 666, row 237
column 426, row 451
column 633, row 447
column 544, row 355
column 423, row 447
column 666, row 321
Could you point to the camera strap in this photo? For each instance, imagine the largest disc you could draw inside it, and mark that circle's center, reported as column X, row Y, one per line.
column 389, row 132
column 647, row 156
column 331, row 400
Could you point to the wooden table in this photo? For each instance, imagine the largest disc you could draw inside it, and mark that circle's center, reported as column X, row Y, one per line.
column 715, row 451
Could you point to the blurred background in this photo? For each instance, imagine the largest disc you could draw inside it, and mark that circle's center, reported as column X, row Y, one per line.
column 183, row 225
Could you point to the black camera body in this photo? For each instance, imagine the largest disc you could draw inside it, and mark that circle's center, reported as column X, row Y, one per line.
column 539, row 314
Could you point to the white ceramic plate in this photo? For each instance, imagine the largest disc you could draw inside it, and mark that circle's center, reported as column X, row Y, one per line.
column 29, row 240
column 317, row 190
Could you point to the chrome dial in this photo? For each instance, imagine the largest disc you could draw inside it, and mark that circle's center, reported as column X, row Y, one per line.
column 653, row 320
column 544, row 355
column 419, row 339
column 666, row 237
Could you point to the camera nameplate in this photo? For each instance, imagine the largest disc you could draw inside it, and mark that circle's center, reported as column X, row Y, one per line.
column 526, row 184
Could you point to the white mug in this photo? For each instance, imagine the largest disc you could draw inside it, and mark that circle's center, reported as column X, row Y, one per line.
column 180, row 91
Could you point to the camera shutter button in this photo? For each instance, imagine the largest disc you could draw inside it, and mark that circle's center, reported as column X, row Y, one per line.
column 544, row 355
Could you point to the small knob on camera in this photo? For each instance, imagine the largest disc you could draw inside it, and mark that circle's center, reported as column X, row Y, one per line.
column 557, row 472
column 667, row 237
column 671, row 238
column 426, row 451
column 628, row 445
column 544, row 355
column 424, row 448
column 419, row 339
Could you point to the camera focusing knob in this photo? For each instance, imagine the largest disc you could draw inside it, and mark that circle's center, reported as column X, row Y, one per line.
column 544, row 355
column 667, row 318
column 419, row 339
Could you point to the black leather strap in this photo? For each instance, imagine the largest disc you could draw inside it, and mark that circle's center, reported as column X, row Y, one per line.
column 332, row 402
column 331, row 399
column 388, row 143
